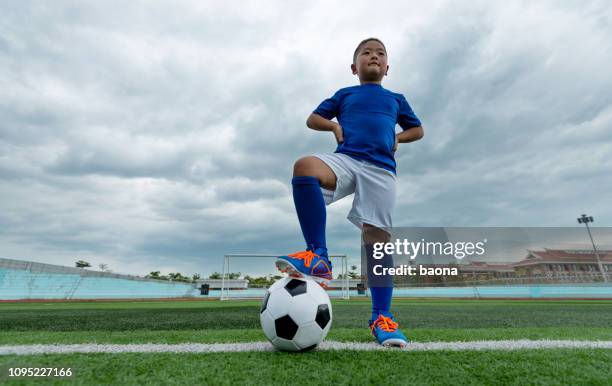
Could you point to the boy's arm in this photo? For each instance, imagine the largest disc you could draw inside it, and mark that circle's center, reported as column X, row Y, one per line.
column 317, row 122
column 410, row 135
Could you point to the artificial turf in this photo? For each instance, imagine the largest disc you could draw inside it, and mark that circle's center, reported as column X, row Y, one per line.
column 336, row 334
column 537, row 367
column 238, row 321
column 129, row 316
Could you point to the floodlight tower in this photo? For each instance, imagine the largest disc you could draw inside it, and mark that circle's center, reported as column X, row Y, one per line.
column 584, row 219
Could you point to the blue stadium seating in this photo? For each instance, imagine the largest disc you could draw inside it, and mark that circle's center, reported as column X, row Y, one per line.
column 23, row 283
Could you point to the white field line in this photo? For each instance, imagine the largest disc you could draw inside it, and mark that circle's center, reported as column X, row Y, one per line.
column 325, row 346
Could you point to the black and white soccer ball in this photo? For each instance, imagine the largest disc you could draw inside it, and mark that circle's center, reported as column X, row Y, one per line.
column 296, row 314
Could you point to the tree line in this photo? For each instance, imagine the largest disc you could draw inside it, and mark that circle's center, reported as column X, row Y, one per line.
column 261, row 281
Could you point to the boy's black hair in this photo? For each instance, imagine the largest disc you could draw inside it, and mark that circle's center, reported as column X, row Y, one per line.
column 364, row 41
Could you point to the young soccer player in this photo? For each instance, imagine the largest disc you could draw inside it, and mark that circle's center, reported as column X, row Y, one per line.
column 363, row 164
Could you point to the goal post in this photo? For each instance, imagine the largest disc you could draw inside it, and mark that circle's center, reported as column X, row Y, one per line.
column 343, row 281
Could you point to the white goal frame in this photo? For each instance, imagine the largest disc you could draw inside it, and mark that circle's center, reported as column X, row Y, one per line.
column 226, row 271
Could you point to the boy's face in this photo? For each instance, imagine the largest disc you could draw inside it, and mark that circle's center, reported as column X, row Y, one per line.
column 371, row 62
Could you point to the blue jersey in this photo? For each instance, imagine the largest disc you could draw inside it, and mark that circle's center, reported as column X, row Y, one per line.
column 368, row 114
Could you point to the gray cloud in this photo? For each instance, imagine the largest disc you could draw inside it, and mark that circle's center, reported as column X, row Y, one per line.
column 161, row 137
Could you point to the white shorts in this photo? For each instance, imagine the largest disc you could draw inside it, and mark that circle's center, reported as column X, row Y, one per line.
column 374, row 189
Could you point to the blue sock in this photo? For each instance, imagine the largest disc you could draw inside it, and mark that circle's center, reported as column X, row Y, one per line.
column 381, row 287
column 381, row 301
column 311, row 212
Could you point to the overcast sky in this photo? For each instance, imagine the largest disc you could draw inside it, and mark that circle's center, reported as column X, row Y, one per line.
column 161, row 135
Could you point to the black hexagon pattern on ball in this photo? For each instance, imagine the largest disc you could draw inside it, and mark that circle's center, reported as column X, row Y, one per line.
column 296, row 287
column 264, row 304
column 285, row 327
column 323, row 316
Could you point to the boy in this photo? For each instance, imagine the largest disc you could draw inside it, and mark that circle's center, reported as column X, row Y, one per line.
column 364, row 164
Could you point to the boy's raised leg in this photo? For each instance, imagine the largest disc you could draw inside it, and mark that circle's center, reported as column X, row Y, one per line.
column 309, row 174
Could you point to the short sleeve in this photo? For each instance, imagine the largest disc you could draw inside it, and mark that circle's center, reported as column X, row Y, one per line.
column 330, row 107
column 406, row 117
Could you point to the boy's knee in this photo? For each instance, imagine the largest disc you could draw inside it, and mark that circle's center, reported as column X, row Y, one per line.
column 312, row 166
column 303, row 167
column 372, row 234
column 376, row 260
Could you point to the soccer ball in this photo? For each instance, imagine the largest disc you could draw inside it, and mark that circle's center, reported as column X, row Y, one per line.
column 296, row 314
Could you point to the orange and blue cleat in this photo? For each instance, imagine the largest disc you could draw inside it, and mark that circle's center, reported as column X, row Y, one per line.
column 307, row 263
column 385, row 330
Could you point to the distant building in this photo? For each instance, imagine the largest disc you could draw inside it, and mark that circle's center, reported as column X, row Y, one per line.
column 480, row 270
column 560, row 263
column 548, row 264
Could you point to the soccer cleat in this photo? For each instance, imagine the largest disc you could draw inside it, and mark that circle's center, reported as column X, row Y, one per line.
column 386, row 332
column 306, row 263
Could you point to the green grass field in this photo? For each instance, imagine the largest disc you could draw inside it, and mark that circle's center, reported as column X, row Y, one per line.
column 238, row 321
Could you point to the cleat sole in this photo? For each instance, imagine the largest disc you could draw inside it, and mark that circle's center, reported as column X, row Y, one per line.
column 286, row 267
column 395, row 343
